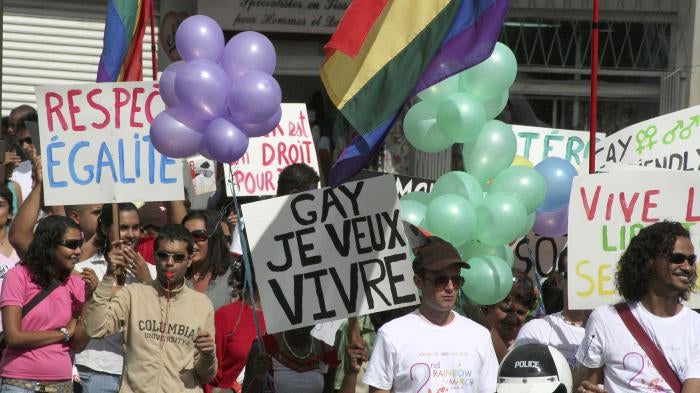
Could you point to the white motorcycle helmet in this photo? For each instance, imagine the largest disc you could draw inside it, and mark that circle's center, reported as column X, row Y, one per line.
column 534, row 368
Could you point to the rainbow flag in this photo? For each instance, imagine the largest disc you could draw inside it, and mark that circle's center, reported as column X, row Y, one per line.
column 125, row 24
column 400, row 48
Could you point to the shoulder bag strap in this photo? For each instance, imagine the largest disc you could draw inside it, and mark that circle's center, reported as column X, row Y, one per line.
column 39, row 297
column 657, row 358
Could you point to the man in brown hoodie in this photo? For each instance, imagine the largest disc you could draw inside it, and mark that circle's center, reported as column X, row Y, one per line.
column 168, row 328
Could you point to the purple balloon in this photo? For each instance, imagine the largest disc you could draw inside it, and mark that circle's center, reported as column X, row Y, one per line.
column 167, row 84
column 254, row 97
column 185, row 117
column 204, row 152
column 199, row 37
column 248, row 51
column 223, row 141
column 173, row 138
column 552, row 224
column 264, row 128
column 201, row 87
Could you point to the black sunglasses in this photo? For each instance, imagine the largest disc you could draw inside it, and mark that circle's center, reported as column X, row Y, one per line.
column 199, row 235
column 27, row 140
column 71, row 243
column 177, row 256
column 440, row 282
column 678, row 258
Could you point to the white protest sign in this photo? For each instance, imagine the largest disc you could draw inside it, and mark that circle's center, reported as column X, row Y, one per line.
column 330, row 254
column 538, row 143
column 257, row 171
column 607, row 210
column 95, row 145
column 670, row 141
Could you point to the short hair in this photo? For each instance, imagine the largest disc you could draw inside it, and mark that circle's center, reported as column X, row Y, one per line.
column 105, row 220
column 174, row 233
column 552, row 295
column 296, row 178
column 523, row 290
column 636, row 265
column 25, row 113
column 40, row 256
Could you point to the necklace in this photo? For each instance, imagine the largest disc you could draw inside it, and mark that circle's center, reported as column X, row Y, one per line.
column 291, row 351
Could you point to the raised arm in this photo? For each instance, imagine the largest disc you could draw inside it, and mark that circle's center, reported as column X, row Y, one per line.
column 22, row 228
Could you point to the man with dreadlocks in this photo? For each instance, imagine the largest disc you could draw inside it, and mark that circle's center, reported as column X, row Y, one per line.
column 649, row 342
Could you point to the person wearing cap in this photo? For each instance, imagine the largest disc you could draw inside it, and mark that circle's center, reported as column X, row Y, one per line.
column 655, row 273
column 433, row 348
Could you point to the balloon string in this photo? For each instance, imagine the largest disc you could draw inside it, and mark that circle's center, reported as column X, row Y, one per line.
column 540, row 304
column 245, row 253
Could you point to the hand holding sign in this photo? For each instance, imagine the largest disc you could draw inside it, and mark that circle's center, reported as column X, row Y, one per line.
column 219, row 96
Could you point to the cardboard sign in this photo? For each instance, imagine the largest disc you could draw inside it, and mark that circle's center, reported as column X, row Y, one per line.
column 257, row 171
column 404, row 184
column 538, row 143
column 670, row 141
column 203, row 174
column 330, row 254
column 607, row 210
column 95, row 145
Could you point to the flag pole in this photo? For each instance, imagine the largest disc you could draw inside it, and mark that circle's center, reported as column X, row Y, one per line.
column 153, row 41
column 593, row 97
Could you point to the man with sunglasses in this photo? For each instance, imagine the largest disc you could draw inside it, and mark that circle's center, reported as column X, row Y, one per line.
column 434, row 348
column 656, row 272
column 168, row 328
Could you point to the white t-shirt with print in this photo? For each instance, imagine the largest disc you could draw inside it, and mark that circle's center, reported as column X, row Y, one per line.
column 553, row 330
column 627, row 368
column 412, row 355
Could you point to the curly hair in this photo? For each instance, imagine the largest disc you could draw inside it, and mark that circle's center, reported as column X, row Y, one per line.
column 637, row 262
column 40, row 258
column 105, row 220
column 219, row 258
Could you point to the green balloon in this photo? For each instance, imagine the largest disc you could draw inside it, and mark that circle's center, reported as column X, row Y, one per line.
column 440, row 90
column 488, row 280
column 527, row 224
column 496, row 73
column 493, row 152
column 412, row 211
column 475, row 248
column 495, row 105
column 418, row 196
column 421, row 131
column 460, row 183
column 452, row 218
column 460, row 117
column 501, row 218
column 522, row 182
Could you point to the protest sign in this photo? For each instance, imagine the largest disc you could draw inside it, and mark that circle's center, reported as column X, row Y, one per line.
column 538, row 143
column 404, row 184
column 95, row 145
column 330, row 254
column 607, row 210
column 202, row 174
column 257, row 171
column 670, row 141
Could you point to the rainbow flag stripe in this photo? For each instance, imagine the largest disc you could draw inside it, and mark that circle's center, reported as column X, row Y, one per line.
column 412, row 45
column 125, row 24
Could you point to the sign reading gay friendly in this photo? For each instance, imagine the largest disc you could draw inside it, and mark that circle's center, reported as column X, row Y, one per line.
column 607, row 210
column 95, row 145
column 330, row 254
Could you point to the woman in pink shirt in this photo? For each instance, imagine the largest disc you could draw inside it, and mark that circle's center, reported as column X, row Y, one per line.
column 8, row 256
column 37, row 356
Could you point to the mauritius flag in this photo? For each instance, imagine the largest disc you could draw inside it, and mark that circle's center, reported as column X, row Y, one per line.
column 385, row 51
column 123, row 38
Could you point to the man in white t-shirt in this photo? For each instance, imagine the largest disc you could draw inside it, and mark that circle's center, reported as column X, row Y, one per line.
column 433, row 348
column 656, row 272
column 563, row 330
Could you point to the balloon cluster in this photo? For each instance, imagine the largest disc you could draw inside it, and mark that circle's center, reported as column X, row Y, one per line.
column 552, row 217
column 457, row 109
column 219, row 95
column 480, row 225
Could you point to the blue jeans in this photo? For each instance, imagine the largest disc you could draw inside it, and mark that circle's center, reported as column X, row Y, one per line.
column 96, row 382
